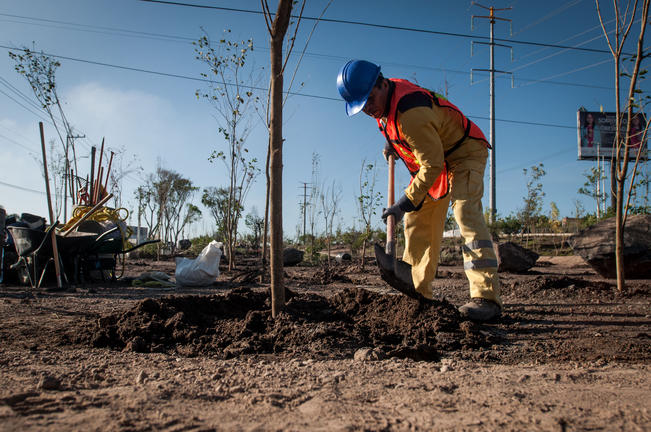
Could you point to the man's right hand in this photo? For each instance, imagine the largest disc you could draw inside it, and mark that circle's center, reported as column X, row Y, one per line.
column 389, row 150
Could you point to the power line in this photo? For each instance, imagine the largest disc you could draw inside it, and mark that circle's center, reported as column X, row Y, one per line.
column 106, row 30
column 548, row 16
column 549, row 156
column 20, row 94
column 30, row 150
column 28, row 109
column 21, row 188
column 167, row 37
column 172, row 75
column 384, row 26
column 570, row 72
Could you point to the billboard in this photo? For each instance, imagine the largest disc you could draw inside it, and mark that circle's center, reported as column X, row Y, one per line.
column 596, row 135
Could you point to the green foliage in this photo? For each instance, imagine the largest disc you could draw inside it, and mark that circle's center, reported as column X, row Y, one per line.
column 199, row 243
column 40, row 71
column 231, row 80
column 165, row 203
column 591, row 188
column 216, row 200
column 314, row 246
column 533, row 201
column 369, row 200
column 256, row 224
column 149, row 251
column 511, row 224
column 353, row 239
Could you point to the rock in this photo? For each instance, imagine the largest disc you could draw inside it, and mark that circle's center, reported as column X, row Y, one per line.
column 451, row 256
column 514, row 258
column 48, row 382
column 184, row 244
column 136, row 344
column 6, row 411
column 368, row 354
column 344, row 256
column 142, row 376
column 596, row 245
column 292, row 256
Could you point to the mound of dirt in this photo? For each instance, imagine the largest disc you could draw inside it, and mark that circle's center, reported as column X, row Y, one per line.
column 240, row 323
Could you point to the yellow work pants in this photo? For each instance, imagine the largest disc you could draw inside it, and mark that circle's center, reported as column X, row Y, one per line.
column 424, row 231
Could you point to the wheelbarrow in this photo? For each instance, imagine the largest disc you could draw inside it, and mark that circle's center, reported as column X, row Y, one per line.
column 98, row 261
column 35, row 253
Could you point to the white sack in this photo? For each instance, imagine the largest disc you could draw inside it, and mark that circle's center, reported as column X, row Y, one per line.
column 202, row 270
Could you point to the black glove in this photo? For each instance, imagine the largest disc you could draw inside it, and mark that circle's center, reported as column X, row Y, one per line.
column 398, row 209
column 389, row 150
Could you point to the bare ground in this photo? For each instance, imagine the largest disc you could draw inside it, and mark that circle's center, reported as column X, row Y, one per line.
column 569, row 353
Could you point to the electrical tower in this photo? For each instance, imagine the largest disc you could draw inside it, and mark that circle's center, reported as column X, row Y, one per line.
column 492, row 18
column 306, row 186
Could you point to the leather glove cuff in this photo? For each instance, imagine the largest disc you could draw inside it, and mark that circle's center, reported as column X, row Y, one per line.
column 406, row 205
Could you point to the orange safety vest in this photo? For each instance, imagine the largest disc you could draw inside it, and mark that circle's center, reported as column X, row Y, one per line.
column 441, row 186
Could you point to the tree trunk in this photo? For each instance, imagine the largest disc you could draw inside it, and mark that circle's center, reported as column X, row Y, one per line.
column 619, row 238
column 278, row 30
column 266, row 214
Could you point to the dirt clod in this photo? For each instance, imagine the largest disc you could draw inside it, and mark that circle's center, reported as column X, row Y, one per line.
column 240, row 323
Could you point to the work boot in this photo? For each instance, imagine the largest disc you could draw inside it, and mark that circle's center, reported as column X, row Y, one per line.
column 480, row 309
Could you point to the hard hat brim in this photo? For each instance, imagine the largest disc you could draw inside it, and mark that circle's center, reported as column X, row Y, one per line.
column 353, row 108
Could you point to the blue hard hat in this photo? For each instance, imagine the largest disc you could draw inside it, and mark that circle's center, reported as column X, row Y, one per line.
column 355, row 82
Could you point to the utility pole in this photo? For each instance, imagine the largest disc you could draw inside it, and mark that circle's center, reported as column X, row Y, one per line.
column 304, row 208
column 492, row 18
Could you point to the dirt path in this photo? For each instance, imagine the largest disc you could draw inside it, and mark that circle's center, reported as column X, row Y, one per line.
column 569, row 354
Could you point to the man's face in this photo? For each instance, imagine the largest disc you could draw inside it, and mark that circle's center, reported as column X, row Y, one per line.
column 377, row 101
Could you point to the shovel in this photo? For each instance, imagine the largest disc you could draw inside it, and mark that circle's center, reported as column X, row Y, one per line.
column 389, row 266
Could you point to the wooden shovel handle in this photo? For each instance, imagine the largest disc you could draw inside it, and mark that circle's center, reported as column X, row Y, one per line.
column 391, row 220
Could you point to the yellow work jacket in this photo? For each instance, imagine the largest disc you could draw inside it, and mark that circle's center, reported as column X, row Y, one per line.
column 424, row 128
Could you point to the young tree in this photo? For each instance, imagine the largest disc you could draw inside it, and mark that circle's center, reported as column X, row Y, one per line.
column 255, row 224
column 40, row 72
column 312, row 208
column 178, row 210
column 121, row 167
column 533, row 201
column 277, row 27
column 368, row 200
column 622, row 146
column 640, row 190
column 216, row 200
column 229, row 92
column 142, row 198
column 329, row 199
column 146, row 196
column 591, row 188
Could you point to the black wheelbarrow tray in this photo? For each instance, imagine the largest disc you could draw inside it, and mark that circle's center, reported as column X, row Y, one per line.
column 35, row 253
column 102, row 255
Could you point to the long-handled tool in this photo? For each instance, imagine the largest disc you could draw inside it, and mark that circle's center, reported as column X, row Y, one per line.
column 390, row 248
column 55, row 249
column 390, row 267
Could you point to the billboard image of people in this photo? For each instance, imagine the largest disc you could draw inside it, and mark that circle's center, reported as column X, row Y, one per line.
column 596, row 135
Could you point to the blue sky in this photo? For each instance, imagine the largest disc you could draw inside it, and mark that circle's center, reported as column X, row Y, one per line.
column 158, row 118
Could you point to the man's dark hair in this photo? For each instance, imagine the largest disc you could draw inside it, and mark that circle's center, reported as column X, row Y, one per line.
column 379, row 80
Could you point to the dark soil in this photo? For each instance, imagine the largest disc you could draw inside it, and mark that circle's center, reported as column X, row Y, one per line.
column 312, row 325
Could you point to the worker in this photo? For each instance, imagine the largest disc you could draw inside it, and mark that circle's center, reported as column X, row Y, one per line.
column 445, row 154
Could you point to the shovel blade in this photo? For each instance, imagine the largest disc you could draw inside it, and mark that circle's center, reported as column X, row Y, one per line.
column 388, row 265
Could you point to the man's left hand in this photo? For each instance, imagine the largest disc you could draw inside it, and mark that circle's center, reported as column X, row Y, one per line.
column 394, row 210
column 399, row 208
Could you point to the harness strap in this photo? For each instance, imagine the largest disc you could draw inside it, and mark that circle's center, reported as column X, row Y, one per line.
column 456, row 145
